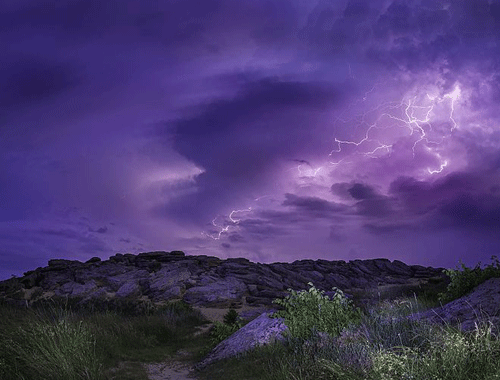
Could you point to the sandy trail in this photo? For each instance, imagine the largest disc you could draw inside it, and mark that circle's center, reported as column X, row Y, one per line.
column 177, row 368
column 171, row 369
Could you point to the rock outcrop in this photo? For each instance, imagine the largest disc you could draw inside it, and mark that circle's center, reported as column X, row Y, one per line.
column 156, row 277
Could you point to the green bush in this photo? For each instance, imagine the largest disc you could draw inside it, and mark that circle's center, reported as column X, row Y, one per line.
column 231, row 317
column 221, row 331
column 308, row 311
column 462, row 282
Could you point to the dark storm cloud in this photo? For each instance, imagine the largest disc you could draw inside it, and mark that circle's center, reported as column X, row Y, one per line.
column 94, row 246
column 463, row 200
column 354, row 190
column 12, row 260
column 360, row 191
column 237, row 141
column 396, row 19
column 431, row 22
column 176, row 25
column 482, row 18
column 63, row 233
column 420, row 196
column 333, row 29
column 70, row 19
column 88, row 243
column 262, row 228
column 30, row 79
column 173, row 23
column 236, row 238
column 341, row 189
column 277, row 22
column 212, row 195
column 425, row 35
column 281, row 217
column 406, row 35
column 357, row 11
column 335, row 234
column 257, row 98
column 313, row 206
column 376, row 207
column 482, row 152
column 302, row 162
column 370, row 203
column 474, row 212
column 386, row 229
column 224, row 137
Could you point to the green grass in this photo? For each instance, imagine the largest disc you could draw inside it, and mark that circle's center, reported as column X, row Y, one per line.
column 327, row 340
column 55, row 342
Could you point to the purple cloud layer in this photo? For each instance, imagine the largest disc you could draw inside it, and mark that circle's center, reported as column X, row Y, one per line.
column 272, row 130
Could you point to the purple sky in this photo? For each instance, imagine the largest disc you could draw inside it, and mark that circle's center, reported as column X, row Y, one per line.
column 337, row 129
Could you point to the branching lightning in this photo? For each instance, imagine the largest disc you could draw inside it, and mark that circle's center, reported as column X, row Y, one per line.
column 416, row 117
column 225, row 229
column 302, row 173
column 410, row 120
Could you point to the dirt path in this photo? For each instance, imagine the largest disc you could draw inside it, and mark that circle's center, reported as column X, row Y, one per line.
column 171, row 369
column 179, row 367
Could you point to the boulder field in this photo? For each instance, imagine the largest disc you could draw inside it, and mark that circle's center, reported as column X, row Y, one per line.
column 207, row 281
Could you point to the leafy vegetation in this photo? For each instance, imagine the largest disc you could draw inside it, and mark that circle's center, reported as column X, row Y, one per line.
column 221, row 331
column 462, row 282
column 308, row 311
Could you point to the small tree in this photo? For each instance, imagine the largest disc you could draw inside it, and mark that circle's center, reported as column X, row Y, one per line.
column 221, row 331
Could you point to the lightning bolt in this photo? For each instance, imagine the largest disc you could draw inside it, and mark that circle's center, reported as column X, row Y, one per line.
column 302, row 173
column 225, row 229
column 410, row 120
column 443, row 165
column 415, row 117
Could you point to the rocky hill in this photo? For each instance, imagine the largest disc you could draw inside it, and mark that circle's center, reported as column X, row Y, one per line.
column 155, row 277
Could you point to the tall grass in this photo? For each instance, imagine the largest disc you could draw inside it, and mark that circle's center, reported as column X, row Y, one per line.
column 51, row 342
column 46, row 349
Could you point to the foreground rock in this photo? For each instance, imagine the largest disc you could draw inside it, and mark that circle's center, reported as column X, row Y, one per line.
column 482, row 304
column 156, row 277
column 261, row 331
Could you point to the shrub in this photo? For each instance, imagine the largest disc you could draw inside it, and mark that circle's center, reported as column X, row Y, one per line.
column 221, row 331
column 462, row 282
column 231, row 317
column 309, row 311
